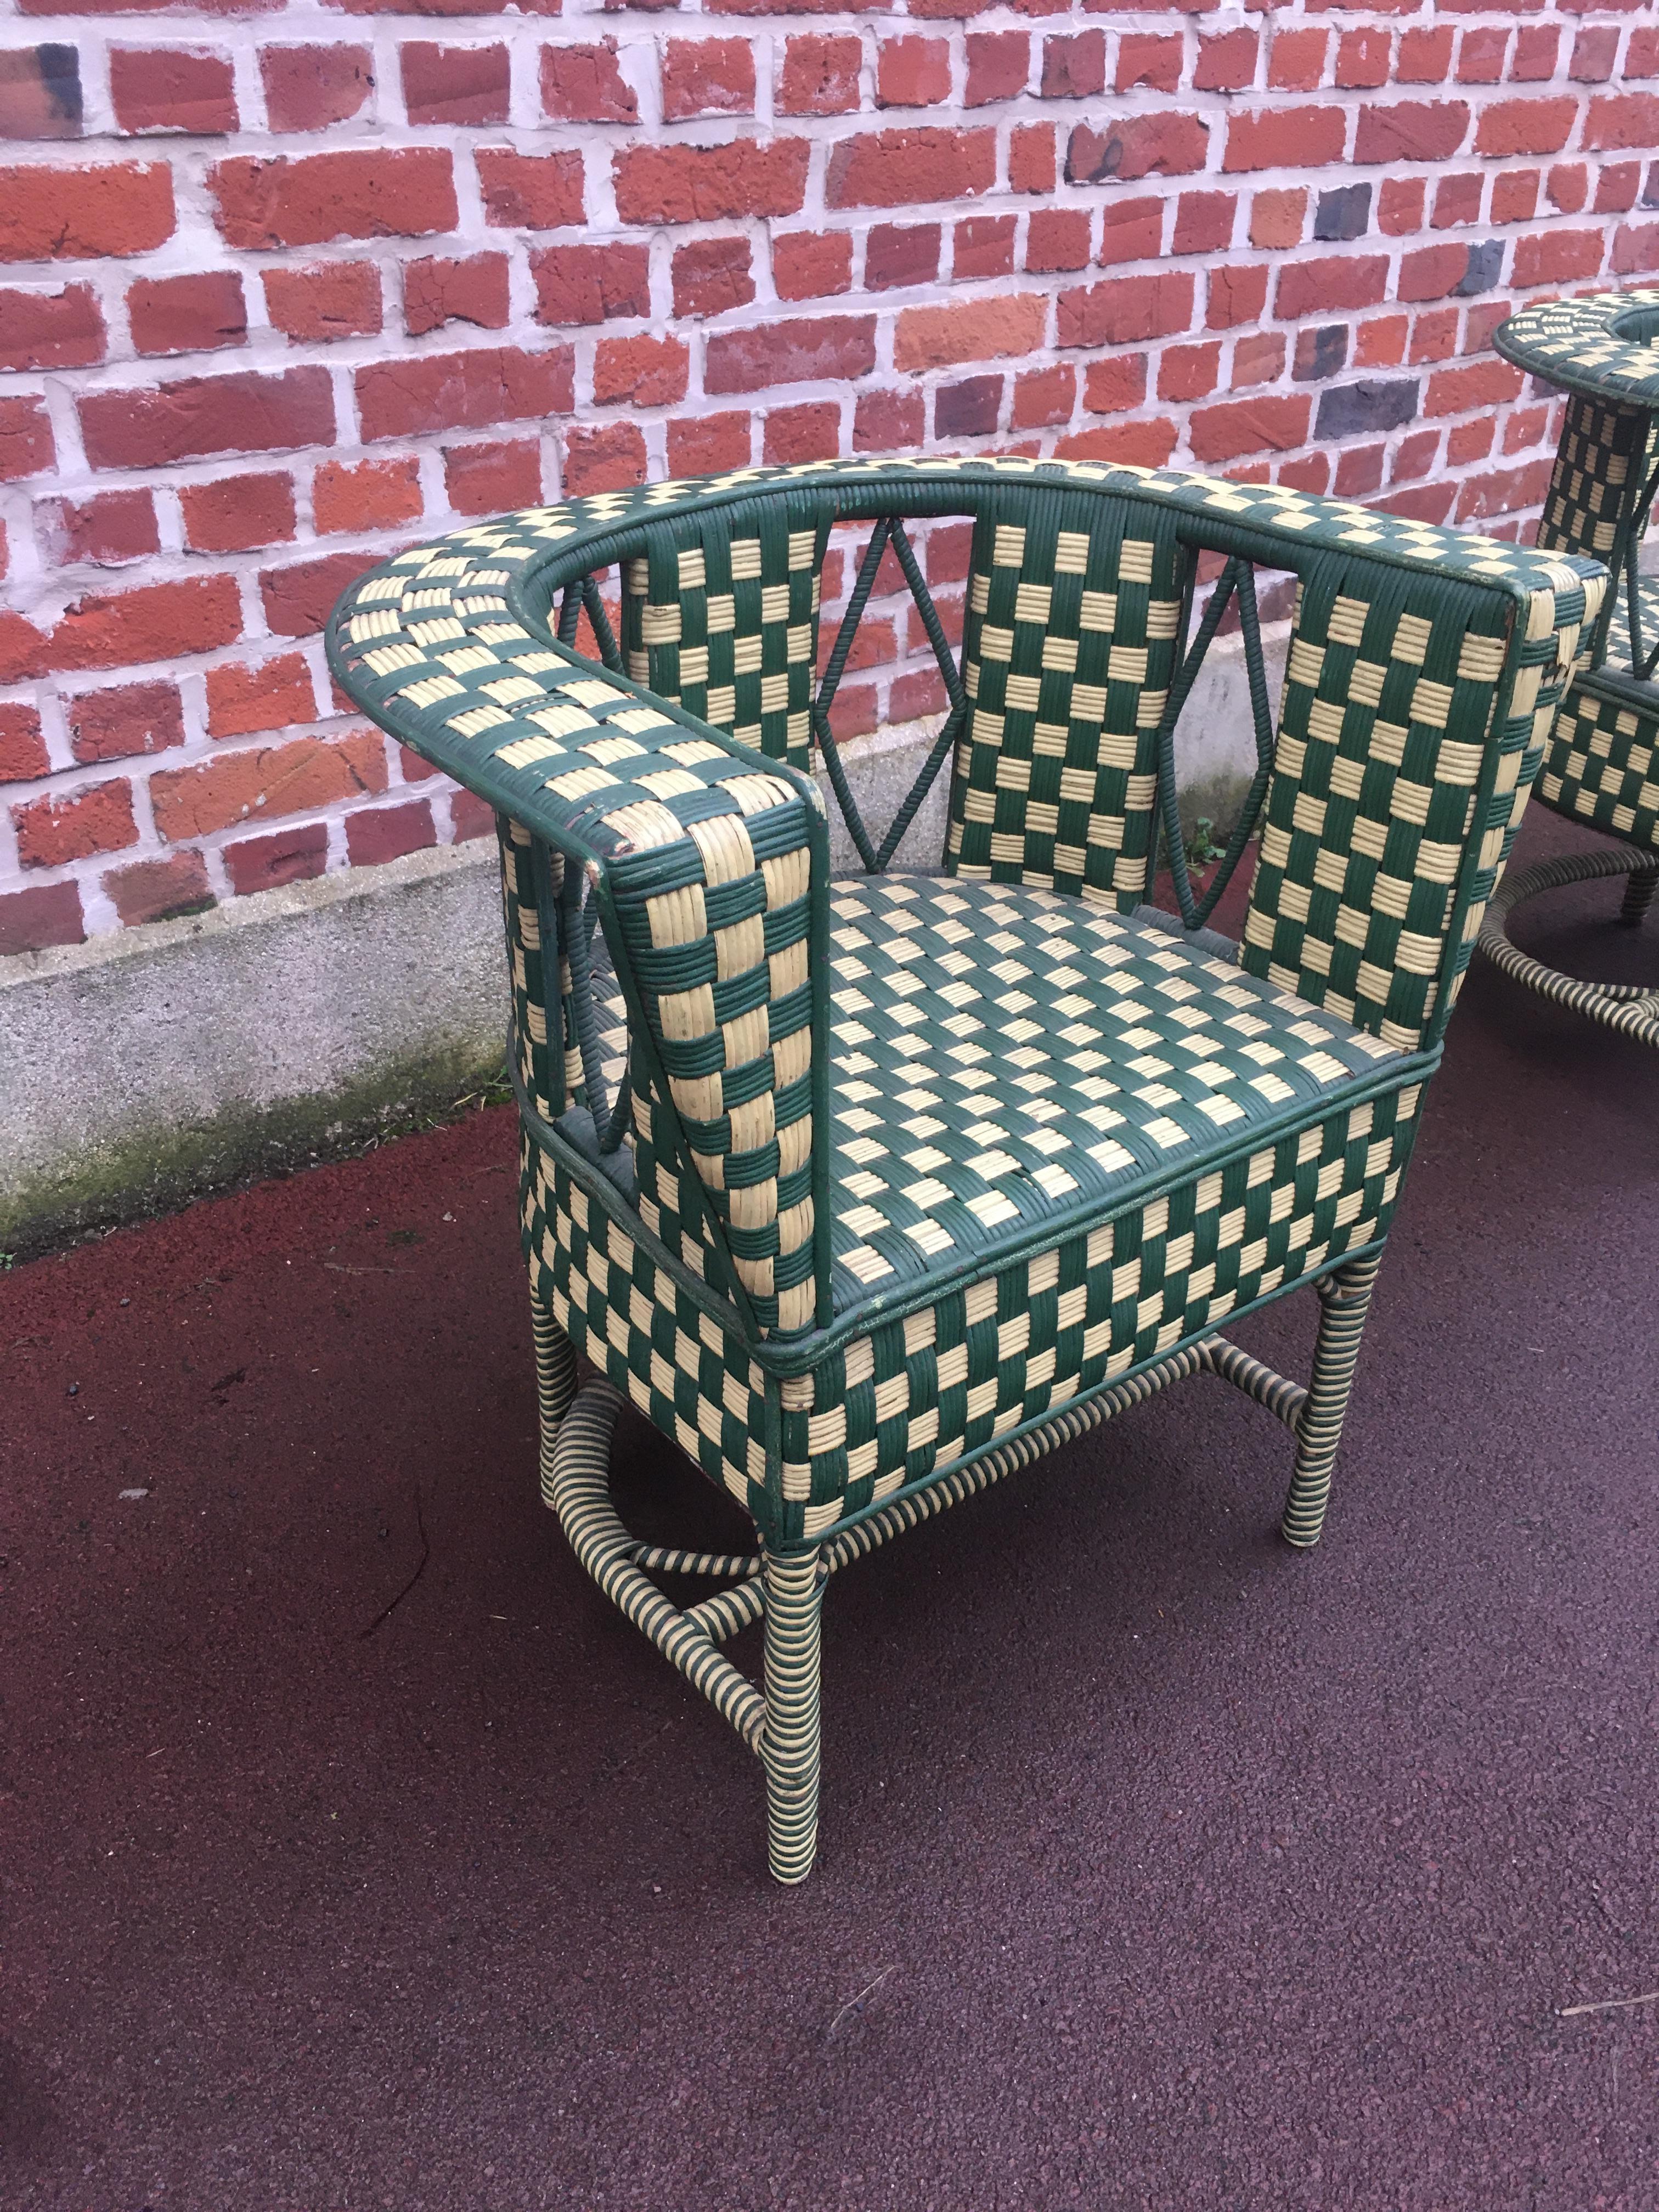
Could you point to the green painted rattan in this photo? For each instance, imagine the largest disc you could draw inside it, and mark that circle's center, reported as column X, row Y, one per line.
column 868, row 1192
column 1601, row 764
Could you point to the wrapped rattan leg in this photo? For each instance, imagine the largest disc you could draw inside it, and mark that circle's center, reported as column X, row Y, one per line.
column 556, row 1383
column 1344, row 1300
column 789, row 1739
column 1639, row 893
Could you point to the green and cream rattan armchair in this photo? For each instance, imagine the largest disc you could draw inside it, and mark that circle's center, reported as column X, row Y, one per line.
column 867, row 1192
column 1601, row 765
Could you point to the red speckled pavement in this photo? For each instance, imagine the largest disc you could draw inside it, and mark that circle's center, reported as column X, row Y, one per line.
column 1174, row 1869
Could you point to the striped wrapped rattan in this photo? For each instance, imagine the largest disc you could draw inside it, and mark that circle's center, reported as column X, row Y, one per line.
column 1600, row 766
column 867, row 1192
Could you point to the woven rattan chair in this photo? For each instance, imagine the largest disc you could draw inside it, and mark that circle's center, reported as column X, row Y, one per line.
column 1601, row 764
column 866, row 1192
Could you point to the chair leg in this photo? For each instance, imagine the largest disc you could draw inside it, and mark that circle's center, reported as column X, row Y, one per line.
column 556, row 1383
column 1639, row 887
column 1344, row 1299
column 789, row 1741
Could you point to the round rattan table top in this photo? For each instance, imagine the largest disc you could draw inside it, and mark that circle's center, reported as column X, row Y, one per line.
column 1606, row 344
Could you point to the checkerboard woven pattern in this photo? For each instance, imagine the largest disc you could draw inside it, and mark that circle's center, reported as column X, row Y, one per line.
column 1598, row 472
column 1576, row 344
column 1602, row 763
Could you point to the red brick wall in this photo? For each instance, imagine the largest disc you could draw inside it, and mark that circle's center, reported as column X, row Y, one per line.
column 282, row 293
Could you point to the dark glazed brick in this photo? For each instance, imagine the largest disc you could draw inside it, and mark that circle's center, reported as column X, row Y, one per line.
column 969, row 409
column 1320, row 353
column 1343, row 214
column 1346, row 409
column 40, row 95
column 1486, row 267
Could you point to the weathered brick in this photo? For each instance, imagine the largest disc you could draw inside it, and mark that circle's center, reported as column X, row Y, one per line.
column 711, row 277
column 702, row 445
column 261, row 782
column 1136, row 146
column 493, row 479
column 711, row 184
column 332, row 300
column 840, row 347
column 1258, row 358
column 463, row 391
column 1482, row 51
column 1346, row 410
column 810, row 265
column 1362, row 58
column 1295, row 60
column 1227, row 61
column 590, row 283
column 365, row 495
column 307, row 199
column 1509, row 127
column 44, row 915
column 983, row 245
column 1426, row 54
column 1043, row 397
column 1411, row 131
column 1635, row 250
column 168, row 88
column 108, row 529
column 1343, row 215
column 583, row 84
column 609, row 457
column 1057, row 239
column 76, row 214
column 1617, row 186
column 639, row 372
column 1618, row 119
column 236, row 513
column 1234, row 296
column 1130, row 230
column 465, row 85
column 1321, row 351
column 41, row 92
column 22, row 747
column 820, row 75
column 1457, row 198
column 1031, row 158
column 897, row 168
column 1153, row 61
column 70, row 826
column 197, row 313
column 998, row 63
column 153, row 622
column 1204, row 222
column 312, row 87
column 899, row 254
column 1145, row 445
column 971, row 408
column 124, row 721
column 243, row 412
column 272, row 695
column 438, row 290
column 812, row 433
column 1269, row 423
column 973, row 330
column 888, row 421
column 160, row 890
column 379, row 833
column 1277, row 218
column 288, row 856
column 1558, row 257
column 707, row 76
column 1474, row 383
column 63, row 329
column 1285, row 137
column 1400, row 206
column 1114, row 383
column 1126, row 309
column 297, row 600
column 1313, row 287
column 1188, row 372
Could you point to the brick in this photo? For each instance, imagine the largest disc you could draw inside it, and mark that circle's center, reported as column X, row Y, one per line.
column 820, row 77
column 1433, row 272
column 22, row 747
column 1411, row 131
column 1480, row 54
column 1321, row 351
column 243, row 412
column 1234, row 296
column 704, row 444
column 1537, row 50
column 639, row 372
column 1074, row 67
column 900, row 168
column 1359, row 471
column 1457, row 198
column 1400, row 206
column 469, row 817
column 167, row 89
column 711, row 184
column 289, row 856
column 1593, row 51
column 312, row 87
column 1569, row 186
column 1558, row 257
column 1135, row 444
column 365, row 495
column 707, row 76
column 1311, row 473
column 971, row 329
column 269, row 696
column 1630, row 119
column 1635, row 250
column 463, row 85
column 983, row 245
column 1226, row 63
column 530, row 191
column 969, row 409
column 1126, row 309
column 332, row 300
column 1136, row 146
column 469, row 390
column 45, row 913
column 914, row 72
column 1426, row 54
column 1188, row 372
column 160, row 890
column 1269, row 423
column 1031, row 158
column 1617, row 186
column 712, row 276
column 1295, row 60
column 1277, row 218
column 1343, row 215
column 1484, row 384
column 609, row 457
column 898, row 254
column 1057, row 238
column 1258, row 358
column 63, row 329
column 236, row 513
column 1285, row 137
column 110, row 528
column 261, row 782
column 153, row 622
column 1130, row 230
column 1146, row 59
column 1362, row 58
column 298, row 599
column 1434, row 334
column 590, row 283
column 77, row 214
column 1380, row 341
column 1043, row 397
column 438, row 290
column 888, row 421
column 1348, row 410
column 1313, row 287
column 493, row 479
column 387, row 833
column 811, row 265
column 1642, row 54
column 998, row 63
column 1504, row 491
column 1204, row 222
column 198, row 314
column 308, row 200
column 837, row 347
column 812, row 433
column 41, row 92
column 583, row 84
column 1113, row 385
column 55, row 831
column 1509, row 127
